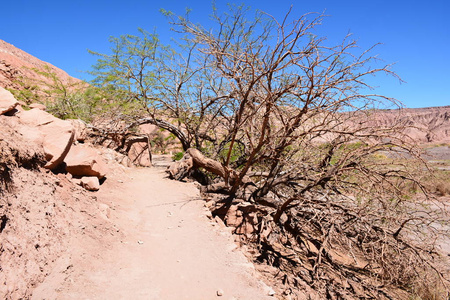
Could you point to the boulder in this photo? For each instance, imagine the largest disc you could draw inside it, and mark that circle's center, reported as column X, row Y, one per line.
column 31, row 134
column 80, row 129
column 84, row 161
column 37, row 117
column 7, row 101
column 90, row 183
column 57, row 135
column 38, row 106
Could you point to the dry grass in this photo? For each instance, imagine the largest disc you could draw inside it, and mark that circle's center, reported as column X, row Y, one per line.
column 438, row 182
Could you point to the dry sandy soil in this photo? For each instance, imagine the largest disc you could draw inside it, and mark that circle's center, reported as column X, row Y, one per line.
column 166, row 248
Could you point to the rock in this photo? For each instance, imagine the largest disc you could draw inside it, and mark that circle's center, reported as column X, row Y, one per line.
column 234, row 216
column 219, row 292
column 17, row 150
column 181, row 168
column 80, row 129
column 90, row 183
column 219, row 221
column 84, row 161
column 209, row 214
column 76, row 181
column 31, row 134
column 57, row 135
column 38, row 106
column 37, row 117
column 7, row 101
column 139, row 155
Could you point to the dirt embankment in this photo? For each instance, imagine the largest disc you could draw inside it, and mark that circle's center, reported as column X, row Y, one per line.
column 41, row 213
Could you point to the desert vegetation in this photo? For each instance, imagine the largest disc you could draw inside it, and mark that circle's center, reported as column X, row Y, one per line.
column 278, row 126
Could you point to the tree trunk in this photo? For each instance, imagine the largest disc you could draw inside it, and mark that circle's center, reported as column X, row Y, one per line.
column 165, row 125
column 194, row 159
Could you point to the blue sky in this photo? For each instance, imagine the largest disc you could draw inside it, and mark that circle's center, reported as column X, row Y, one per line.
column 415, row 34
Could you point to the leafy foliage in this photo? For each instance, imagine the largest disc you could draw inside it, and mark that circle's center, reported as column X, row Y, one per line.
column 178, row 156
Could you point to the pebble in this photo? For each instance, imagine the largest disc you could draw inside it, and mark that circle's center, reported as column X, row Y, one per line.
column 219, row 292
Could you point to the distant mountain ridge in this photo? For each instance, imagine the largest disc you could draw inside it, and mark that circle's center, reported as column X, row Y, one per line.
column 16, row 64
column 425, row 125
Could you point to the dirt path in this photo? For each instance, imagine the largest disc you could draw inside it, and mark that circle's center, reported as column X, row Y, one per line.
column 166, row 248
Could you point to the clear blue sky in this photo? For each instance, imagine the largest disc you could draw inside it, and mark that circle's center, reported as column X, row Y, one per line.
column 415, row 34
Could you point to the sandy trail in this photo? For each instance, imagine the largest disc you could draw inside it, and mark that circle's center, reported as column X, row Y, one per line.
column 166, row 248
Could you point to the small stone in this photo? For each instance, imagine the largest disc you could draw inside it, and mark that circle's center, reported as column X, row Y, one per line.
column 76, row 181
column 271, row 292
column 219, row 221
column 38, row 106
column 140, row 242
column 90, row 183
column 210, row 204
column 219, row 292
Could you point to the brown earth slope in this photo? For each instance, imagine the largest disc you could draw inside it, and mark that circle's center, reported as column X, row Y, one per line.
column 16, row 64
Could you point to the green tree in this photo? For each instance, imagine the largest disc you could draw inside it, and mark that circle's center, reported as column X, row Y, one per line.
column 172, row 88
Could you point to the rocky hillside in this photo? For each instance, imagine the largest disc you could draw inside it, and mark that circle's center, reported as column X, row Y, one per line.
column 425, row 125
column 16, row 64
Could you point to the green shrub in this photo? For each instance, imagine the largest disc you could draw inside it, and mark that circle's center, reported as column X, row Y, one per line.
column 178, row 155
